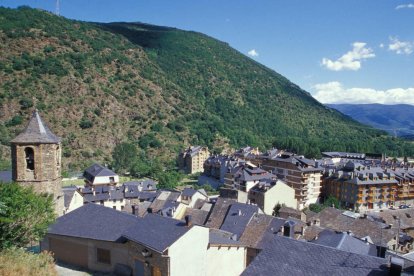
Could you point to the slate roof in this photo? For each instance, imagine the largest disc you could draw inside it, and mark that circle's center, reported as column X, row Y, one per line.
column 5, row 176
column 302, row 164
column 285, row 256
column 153, row 231
column 197, row 216
column 36, row 131
column 97, row 170
column 260, row 227
column 156, row 232
column 237, row 218
column 92, row 221
column 285, row 212
column 345, row 242
column 189, row 192
column 68, row 194
column 220, row 237
column 311, row 232
column 334, row 219
column 219, row 211
column 144, row 185
column 405, row 216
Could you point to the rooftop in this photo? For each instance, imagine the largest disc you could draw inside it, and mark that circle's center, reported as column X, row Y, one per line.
column 153, row 231
column 285, row 256
column 36, row 131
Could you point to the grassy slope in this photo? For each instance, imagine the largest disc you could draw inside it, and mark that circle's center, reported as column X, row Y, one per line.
column 142, row 83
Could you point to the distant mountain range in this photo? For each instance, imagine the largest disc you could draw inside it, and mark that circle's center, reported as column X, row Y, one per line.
column 395, row 119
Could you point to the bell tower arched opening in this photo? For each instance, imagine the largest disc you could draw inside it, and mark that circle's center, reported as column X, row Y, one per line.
column 29, row 155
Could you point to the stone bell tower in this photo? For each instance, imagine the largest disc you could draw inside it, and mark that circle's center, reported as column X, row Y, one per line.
column 36, row 160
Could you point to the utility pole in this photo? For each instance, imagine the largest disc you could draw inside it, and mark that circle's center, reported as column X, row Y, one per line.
column 398, row 233
column 57, row 11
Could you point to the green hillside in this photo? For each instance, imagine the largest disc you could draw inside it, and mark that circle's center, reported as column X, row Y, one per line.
column 161, row 88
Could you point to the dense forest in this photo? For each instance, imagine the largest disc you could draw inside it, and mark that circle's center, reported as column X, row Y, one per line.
column 160, row 89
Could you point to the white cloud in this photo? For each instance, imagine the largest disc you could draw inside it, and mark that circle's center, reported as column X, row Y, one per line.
column 335, row 92
column 381, row 45
column 400, row 47
column 351, row 60
column 405, row 6
column 253, row 53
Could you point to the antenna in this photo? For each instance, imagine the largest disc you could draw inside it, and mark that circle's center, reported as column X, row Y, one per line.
column 57, row 12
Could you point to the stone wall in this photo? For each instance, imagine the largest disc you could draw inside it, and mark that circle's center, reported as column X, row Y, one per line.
column 46, row 176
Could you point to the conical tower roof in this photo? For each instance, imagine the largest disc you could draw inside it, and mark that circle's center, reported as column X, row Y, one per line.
column 36, row 132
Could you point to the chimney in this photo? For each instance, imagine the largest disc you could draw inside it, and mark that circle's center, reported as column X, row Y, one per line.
column 239, row 213
column 396, row 266
column 188, row 221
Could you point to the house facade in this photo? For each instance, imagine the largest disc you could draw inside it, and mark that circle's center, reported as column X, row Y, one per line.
column 268, row 194
column 153, row 245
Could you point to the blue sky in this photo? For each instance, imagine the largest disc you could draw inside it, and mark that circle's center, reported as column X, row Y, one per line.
column 344, row 51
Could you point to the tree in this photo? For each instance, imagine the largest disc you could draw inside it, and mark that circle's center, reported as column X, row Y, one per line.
column 315, row 207
column 332, row 201
column 168, row 180
column 124, row 156
column 24, row 215
column 276, row 209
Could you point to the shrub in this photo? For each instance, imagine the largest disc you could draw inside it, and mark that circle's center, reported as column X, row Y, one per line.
column 16, row 120
column 16, row 261
column 85, row 123
column 26, row 103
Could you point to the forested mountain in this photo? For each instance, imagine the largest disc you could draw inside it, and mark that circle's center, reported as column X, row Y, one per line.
column 395, row 119
column 161, row 88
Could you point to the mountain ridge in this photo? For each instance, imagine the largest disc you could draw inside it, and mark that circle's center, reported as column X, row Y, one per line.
column 161, row 88
column 396, row 119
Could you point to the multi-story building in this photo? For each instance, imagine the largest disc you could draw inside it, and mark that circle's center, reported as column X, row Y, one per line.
column 364, row 187
column 302, row 174
column 405, row 178
column 193, row 158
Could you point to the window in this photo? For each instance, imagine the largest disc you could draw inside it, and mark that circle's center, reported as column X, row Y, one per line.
column 29, row 155
column 103, row 255
column 57, row 156
column 112, row 179
column 114, row 207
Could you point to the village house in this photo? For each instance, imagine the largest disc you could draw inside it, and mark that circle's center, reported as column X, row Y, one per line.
column 192, row 159
column 190, row 196
column 115, row 197
column 364, row 227
column 287, row 256
column 153, row 245
column 217, row 166
column 268, row 193
column 248, row 183
column 98, row 175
